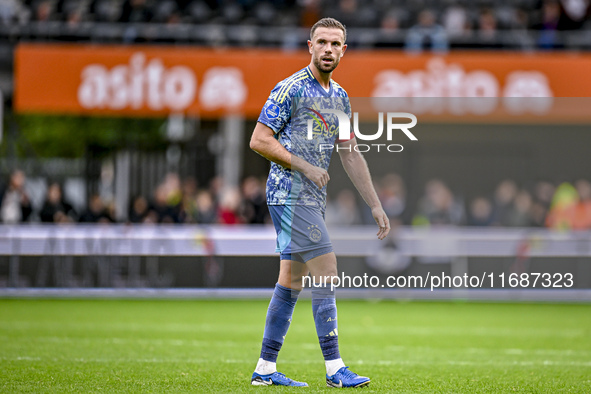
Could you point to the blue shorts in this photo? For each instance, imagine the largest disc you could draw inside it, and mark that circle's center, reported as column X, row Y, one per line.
column 301, row 232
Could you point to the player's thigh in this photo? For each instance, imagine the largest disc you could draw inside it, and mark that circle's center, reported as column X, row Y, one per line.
column 323, row 266
column 291, row 273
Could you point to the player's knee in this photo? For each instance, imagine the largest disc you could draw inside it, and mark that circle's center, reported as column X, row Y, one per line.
column 325, row 277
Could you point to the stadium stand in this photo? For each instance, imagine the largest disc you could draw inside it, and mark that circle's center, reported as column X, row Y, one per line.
column 523, row 24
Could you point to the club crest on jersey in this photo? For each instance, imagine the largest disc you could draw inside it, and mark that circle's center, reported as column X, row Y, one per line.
column 315, row 233
column 272, row 111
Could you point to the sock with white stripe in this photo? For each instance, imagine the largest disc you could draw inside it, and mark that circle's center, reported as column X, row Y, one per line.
column 324, row 308
column 278, row 320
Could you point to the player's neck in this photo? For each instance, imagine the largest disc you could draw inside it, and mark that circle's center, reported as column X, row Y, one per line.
column 322, row 78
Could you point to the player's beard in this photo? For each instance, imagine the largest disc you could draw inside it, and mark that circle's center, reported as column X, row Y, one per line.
column 326, row 68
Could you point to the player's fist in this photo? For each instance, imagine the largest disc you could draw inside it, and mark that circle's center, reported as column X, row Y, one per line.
column 317, row 175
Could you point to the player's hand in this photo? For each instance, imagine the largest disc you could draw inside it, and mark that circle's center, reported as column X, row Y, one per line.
column 382, row 220
column 317, row 175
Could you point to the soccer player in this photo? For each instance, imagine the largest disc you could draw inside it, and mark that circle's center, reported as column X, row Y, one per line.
column 296, row 196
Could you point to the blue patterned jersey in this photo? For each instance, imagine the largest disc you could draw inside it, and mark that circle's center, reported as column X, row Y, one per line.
column 295, row 112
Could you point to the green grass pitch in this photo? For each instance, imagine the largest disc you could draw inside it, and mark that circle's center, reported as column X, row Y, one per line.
column 175, row 346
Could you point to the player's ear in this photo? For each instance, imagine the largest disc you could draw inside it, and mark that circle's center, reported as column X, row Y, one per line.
column 310, row 47
column 344, row 49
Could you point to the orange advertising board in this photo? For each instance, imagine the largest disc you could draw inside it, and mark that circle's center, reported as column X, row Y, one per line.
column 155, row 81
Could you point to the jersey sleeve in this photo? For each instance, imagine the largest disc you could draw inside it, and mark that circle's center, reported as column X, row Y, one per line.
column 277, row 109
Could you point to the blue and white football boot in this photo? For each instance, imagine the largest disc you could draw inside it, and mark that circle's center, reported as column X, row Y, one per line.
column 275, row 378
column 346, row 378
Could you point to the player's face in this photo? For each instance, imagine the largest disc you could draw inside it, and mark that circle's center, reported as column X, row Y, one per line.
column 327, row 47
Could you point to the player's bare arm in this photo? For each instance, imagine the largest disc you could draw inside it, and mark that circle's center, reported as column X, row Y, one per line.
column 357, row 169
column 264, row 143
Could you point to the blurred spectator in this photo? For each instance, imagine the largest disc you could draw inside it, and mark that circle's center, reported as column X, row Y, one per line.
column 255, row 202
column 55, row 209
column 574, row 14
column 135, row 11
column 460, row 21
column 519, row 23
column 96, row 212
column 188, row 208
column 73, row 20
column 384, row 17
column 206, row 212
column 12, row 11
column 163, row 206
column 569, row 206
column 215, row 188
column 200, row 11
column 438, row 206
column 15, row 205
column 542, row 199
column 232, row 12
column 520, row 214
column 139, row 210
column 480, row 213
column 548, row 25
column 105, row 10
column 165, row 11
column 538, row 214
column 426, row 34
column 583, row 210
column 43, row 11
column 390, row 23
column 503, row 202
column 487, row 29
column 357, row 14
column 343, row 211
column 520, row 20
column 168, row 197
column 393, row 196
column 347, row 12
column 544, row 192
column 229, row 209
column 562, row 215
column 389, row 29
column 456, row 21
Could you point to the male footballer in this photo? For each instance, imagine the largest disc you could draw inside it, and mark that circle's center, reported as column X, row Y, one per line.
column 297, row 132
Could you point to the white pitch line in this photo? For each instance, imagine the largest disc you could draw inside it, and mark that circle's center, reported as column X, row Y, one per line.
column 306, row 361
column 509, row 351
column 306, row 346
column 139, row 341
column 205, row 327
column 191, row 328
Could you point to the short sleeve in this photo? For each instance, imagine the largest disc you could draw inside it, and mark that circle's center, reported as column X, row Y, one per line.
column 277, row 109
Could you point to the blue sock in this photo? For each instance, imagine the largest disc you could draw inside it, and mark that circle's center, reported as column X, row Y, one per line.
column 324, row 308
column 278, row 320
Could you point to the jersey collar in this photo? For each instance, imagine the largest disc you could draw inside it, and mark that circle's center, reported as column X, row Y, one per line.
column 320, row 88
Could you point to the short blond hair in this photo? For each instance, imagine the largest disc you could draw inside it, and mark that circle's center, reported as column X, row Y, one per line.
column 330, row 23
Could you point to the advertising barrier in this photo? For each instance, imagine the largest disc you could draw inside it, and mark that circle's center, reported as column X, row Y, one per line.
column 156, row 81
